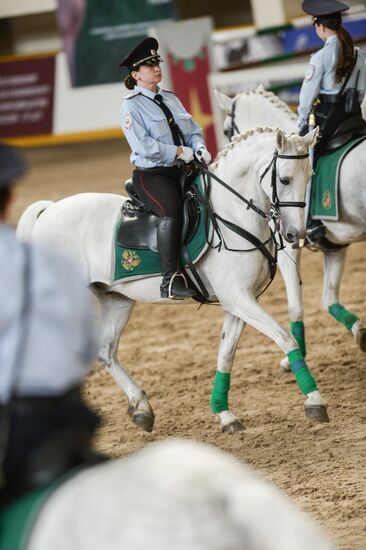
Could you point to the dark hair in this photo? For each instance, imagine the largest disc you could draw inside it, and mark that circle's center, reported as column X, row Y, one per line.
column 129, row 82
column 345, row 56
column 4, row 199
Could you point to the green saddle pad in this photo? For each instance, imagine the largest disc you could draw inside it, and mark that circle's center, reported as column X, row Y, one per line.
column 132, row 264
column 325, row 183
column 16, row 520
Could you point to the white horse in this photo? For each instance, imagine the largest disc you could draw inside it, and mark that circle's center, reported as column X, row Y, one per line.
column 83, row 225
column 262, row 107
column 173, row 494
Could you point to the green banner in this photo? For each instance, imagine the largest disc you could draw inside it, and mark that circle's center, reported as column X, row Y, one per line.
column 108, row 31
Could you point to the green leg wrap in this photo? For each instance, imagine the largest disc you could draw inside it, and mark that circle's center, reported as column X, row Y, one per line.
column 220, row 392
column 301, row 372
column 298, row 332
column 341, row 314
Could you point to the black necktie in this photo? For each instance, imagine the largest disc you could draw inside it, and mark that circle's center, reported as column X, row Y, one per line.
column 174, row 128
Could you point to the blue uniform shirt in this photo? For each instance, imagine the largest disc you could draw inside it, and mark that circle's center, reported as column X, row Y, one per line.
column 147, row 131
column 320, row 77
column 62, row 338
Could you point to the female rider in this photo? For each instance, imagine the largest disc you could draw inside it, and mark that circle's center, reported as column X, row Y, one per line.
column 161, row 135
column 338, row 64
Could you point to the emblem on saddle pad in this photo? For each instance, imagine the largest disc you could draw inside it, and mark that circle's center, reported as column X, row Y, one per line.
column 327, row 200
column 130, row 260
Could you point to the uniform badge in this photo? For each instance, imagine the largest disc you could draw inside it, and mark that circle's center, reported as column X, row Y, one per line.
column 127, row 121
column 309, row 73
column 153, row 52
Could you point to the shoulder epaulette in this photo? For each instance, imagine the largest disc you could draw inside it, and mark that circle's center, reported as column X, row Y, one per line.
column 131, row 95
column 169, row 91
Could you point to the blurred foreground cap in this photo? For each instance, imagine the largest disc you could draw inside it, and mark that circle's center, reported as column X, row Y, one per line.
column 12, row 165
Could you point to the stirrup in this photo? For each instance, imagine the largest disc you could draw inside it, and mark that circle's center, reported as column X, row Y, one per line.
column 315, row 234
column 176, row 274
column 169, row 288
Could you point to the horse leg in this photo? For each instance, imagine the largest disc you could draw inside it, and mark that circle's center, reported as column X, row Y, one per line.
column 334, row 262
column 230, row 334
column 247, row 308
column 115, row 312
column 289, row 264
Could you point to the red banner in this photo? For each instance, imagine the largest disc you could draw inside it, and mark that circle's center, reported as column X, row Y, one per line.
column 189, row 81
column 26, row 96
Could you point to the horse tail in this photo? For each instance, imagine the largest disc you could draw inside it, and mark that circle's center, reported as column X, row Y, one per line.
column 29, row 217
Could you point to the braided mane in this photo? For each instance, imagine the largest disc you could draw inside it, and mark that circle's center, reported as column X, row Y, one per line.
column 272, row 98
column 241, row 137
column 295, row 139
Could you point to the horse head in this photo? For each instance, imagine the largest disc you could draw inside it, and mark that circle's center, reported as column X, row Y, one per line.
column 285, row 184
column 251, row 108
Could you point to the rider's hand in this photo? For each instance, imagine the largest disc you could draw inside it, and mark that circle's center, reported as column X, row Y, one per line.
column 203, row 154
column 186, row 154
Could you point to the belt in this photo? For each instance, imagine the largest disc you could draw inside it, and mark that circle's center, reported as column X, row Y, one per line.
column 160, row 169
column 331, row 98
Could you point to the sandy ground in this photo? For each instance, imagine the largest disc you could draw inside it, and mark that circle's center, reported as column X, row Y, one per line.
column 172, row 355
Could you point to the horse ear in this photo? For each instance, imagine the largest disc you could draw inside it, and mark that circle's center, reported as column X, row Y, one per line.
column 259, row 88
column 280, row 140
column 225, row 102
column 311, row 138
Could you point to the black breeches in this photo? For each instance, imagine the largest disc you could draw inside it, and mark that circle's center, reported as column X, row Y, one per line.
column 160, row 190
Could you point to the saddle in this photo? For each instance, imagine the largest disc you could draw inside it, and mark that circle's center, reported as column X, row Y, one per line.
column 349, row 129
column 138, row 229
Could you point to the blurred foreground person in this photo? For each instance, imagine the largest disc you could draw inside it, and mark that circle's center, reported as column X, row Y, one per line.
column 47, row 340
column 174, row 494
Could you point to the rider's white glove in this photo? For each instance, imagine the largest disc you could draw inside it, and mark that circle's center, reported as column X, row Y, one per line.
column 187, row 154
column 203, row 154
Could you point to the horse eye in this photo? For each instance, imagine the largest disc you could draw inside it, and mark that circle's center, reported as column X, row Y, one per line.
column 285, row 181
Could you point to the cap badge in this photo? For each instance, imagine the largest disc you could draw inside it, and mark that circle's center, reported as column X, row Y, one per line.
column 153, row 52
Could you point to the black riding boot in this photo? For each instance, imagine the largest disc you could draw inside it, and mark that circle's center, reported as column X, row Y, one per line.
column 315, row 231
column 173, row 285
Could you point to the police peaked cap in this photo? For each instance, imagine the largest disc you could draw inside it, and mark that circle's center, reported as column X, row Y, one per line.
column 324, row 7
column 145, row 53
column 12, row 165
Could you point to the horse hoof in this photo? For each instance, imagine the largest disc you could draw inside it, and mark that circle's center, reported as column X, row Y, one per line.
column 317, row 413
column 233, row 427
column 361, row 339
column 284, row 366
column 144, row 421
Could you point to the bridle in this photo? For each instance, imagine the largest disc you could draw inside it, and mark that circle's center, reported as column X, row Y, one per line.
column 233, row 126
column 276, row 203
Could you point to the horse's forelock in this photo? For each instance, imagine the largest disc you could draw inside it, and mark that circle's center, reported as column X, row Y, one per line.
column 299, row 143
